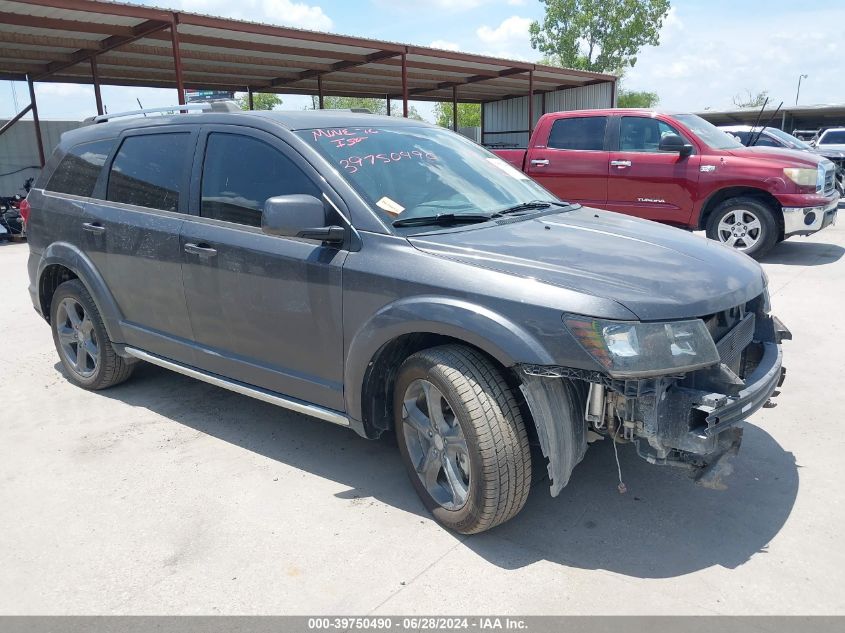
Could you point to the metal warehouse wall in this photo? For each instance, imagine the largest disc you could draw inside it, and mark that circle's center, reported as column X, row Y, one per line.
column 506, row 122
column 19, row 152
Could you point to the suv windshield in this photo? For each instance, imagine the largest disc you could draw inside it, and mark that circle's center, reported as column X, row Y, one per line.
column 420, row 172
column 833, row 137
column 707, row 132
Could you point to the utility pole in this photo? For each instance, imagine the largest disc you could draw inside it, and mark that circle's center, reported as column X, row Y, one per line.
column 798, row 92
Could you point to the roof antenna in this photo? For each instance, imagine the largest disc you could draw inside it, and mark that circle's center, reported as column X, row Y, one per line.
column 760, row 133
column 142, row 107
column 756, row 121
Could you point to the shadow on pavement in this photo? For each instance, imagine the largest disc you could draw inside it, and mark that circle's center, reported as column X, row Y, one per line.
column 796, row 252
column 663, row 527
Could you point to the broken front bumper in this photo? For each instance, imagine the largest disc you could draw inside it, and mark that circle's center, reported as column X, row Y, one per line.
column 692, row 421
column 809, row 220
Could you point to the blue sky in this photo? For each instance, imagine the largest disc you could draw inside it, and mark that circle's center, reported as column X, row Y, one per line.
column 709, row 51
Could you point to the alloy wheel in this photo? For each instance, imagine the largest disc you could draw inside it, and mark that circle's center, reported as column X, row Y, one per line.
column 740, row 229
column 436, row 444
column 77, row 338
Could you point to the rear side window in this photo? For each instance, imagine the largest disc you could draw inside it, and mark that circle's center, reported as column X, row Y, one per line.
column 148, row 171
column 586, row 132
column 239, row 174
column 78, row 172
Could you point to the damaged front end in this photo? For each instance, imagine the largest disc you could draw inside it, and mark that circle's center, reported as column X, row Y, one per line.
column 691, row 417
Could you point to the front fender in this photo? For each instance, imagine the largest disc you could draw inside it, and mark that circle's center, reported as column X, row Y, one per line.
column 496, row 335
column 69, row 256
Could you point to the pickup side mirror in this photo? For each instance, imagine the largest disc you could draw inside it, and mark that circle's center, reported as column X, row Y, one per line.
column 299, row 215
column 674, row 143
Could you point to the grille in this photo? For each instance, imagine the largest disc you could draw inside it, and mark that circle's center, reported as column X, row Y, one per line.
column 731, row 345
column 829, row 179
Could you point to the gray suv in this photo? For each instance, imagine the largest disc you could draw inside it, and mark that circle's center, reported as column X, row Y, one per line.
column 392, row 276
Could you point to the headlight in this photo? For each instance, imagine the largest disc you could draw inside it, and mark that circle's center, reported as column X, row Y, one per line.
column 632, row 349
column 806, row 177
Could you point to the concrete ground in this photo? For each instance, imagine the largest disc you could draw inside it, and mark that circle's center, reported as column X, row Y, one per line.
column 169, row 496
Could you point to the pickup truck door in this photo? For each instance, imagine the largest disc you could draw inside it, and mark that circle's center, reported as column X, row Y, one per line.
column 648, row 183
column 265, row 310
column 571, row 159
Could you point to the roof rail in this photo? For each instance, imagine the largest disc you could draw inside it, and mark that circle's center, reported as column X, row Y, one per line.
column 194, row 106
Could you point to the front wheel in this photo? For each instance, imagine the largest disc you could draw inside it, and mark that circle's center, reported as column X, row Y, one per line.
column 745, row 224
column 462, row 438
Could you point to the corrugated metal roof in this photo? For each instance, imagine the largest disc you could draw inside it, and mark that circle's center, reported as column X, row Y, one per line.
column 53, row 40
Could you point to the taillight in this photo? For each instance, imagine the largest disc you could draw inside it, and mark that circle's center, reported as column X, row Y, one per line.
column 24, row 209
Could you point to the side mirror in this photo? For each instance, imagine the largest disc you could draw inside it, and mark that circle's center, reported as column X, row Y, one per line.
column 299, row 216
column 674, row 143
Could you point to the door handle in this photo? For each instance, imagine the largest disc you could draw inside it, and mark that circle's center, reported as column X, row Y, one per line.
column 94, row 227
column 203, row 250
column 538, row 162
column 620, row 163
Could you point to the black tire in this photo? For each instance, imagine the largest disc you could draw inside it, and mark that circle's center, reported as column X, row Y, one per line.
column 483, row 405
column 102, row 367
column 737, row 211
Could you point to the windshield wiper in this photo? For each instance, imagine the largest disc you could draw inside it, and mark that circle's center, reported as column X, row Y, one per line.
column 443, row 219
column 529, row 206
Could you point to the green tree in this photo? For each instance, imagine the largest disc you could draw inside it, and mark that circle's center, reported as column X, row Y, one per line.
column 636, row 99
column 597, row 35
column 376, row 106
column 749, row 100
column 260, row 101
column 469, row 114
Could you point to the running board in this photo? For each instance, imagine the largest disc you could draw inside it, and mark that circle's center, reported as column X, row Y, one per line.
column 238, row 387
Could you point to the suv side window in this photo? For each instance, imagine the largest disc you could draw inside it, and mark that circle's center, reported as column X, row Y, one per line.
column 78, row 172
column 239, row 173
column 767, row 141
column 585, row 132
column 148, row 170
column 641, row 134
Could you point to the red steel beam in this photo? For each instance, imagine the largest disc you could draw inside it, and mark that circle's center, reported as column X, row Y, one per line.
column 95, row 77
column 82, row 55
column 404, row 85
column 337, row 66
column 15, row 119
column 470, row 80
column 320, row 91
column 35, row 119
column 177, row 60
column 530, row 102
column 455, row 108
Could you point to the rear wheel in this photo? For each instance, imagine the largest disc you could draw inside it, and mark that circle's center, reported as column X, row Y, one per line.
column 462, row 438
column 81, row 340
column 745, row 224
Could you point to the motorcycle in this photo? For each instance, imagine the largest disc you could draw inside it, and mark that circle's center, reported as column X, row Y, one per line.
column 11, row 222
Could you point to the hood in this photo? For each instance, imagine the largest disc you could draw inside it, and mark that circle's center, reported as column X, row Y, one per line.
column 655, row 271
column 778, row 155
column 830, row 151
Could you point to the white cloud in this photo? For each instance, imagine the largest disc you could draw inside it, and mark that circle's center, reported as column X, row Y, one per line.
column 517, row 3
column 445, row 45
column 701, row 64
column 512, row 29
column 453, row 6
column 280, row 12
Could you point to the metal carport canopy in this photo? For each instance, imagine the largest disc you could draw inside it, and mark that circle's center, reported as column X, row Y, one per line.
column 131, row 45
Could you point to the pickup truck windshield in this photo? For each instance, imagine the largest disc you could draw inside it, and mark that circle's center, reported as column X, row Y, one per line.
column 417, row 172
column 707, row 132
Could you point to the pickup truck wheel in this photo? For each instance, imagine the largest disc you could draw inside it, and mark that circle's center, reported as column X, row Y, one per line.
column 745, row 224
column 81, row 340
column 462, row 439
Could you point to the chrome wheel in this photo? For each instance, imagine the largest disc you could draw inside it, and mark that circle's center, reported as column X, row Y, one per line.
column 77, row 339
column 740, row 229
column 436, row 444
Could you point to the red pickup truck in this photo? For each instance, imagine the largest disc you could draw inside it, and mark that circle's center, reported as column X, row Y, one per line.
column 681, row 170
